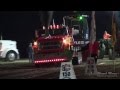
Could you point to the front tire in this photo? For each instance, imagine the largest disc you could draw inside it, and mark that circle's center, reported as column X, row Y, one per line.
column 11, row 56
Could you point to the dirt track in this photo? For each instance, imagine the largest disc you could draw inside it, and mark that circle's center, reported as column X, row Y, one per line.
column 28, row 71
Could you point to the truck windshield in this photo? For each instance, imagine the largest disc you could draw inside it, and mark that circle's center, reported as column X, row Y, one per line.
column 77, row 32
column 54, row 32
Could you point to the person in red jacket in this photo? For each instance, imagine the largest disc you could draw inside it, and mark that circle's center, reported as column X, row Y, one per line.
column 91, row 50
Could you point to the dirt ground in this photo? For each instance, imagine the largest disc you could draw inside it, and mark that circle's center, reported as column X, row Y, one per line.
column 22, row 69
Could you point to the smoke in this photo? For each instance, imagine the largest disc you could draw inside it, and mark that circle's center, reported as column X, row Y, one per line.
column 45, row 18
column 50, row 15
column 42, row 22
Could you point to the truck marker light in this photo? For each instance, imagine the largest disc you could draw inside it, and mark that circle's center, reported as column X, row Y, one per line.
column 54, row 26
column 50, row 26
column 57, row 26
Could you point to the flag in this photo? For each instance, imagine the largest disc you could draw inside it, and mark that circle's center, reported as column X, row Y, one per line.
column 113, row 30
column 93, row 29
column 106, row 35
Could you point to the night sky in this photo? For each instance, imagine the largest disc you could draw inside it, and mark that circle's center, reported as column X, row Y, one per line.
column 20, row 25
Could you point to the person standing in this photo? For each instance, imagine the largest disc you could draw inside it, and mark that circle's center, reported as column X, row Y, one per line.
column 94, row 51
column 90, row 50
column 30, row 53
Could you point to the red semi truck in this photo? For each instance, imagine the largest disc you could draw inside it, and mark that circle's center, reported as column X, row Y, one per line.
column 53, row 48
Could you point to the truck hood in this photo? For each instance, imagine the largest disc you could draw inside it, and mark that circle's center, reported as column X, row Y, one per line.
column 51, row 38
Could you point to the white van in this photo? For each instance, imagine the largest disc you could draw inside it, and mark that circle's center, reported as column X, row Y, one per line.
column 8, row 50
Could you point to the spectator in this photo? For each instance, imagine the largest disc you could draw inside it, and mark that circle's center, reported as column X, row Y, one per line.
column 94, row 51
column 30, row 53
column 91, row 50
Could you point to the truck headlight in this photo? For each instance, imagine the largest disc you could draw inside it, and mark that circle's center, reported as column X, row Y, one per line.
column 66, row 41
column 35, row 43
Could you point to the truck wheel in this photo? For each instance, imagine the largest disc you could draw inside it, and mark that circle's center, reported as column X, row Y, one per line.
column 11, row 56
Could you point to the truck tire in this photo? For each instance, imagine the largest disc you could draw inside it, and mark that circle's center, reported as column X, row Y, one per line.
column 11, row 56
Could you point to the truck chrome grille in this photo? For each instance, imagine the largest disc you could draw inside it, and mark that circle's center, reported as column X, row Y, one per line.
column 50, row 45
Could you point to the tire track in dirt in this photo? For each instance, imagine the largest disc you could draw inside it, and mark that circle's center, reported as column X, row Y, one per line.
column 53, row 75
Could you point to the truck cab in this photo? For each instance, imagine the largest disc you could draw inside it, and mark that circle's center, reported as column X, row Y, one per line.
column 8, row 50
column 53, row 48
column 80, row 33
